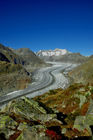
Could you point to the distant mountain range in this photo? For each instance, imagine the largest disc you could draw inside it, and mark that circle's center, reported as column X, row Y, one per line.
column 56, row 52
column 61, row 55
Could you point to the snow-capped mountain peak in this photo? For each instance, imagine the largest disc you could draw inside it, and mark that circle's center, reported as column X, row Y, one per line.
column 56, row 52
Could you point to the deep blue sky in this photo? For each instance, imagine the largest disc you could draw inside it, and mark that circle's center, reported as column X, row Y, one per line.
column 47, row 24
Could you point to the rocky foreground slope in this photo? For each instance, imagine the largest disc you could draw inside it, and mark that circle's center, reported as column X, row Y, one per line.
column 56, row 115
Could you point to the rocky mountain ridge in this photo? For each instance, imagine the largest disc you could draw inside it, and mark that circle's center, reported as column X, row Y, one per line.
column 10, row 55
column 30, row 57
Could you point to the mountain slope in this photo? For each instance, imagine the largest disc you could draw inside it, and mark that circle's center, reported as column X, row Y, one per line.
column 73, row 58
column 29, row 56
column 12, row 74
column 12, row 77
column 10, row 55
column 83, row 73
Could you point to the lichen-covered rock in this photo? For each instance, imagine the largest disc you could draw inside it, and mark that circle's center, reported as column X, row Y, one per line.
column 79, row 123
column 66, row 114
column 74, row 105
column 36, row 132
column 7, row 125
column 26, row 119
column 32, row 135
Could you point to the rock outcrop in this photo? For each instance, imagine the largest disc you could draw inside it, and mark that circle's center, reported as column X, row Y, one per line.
column 3, row 58
column 73, row 107
column 25, row 119
column 56, row 115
